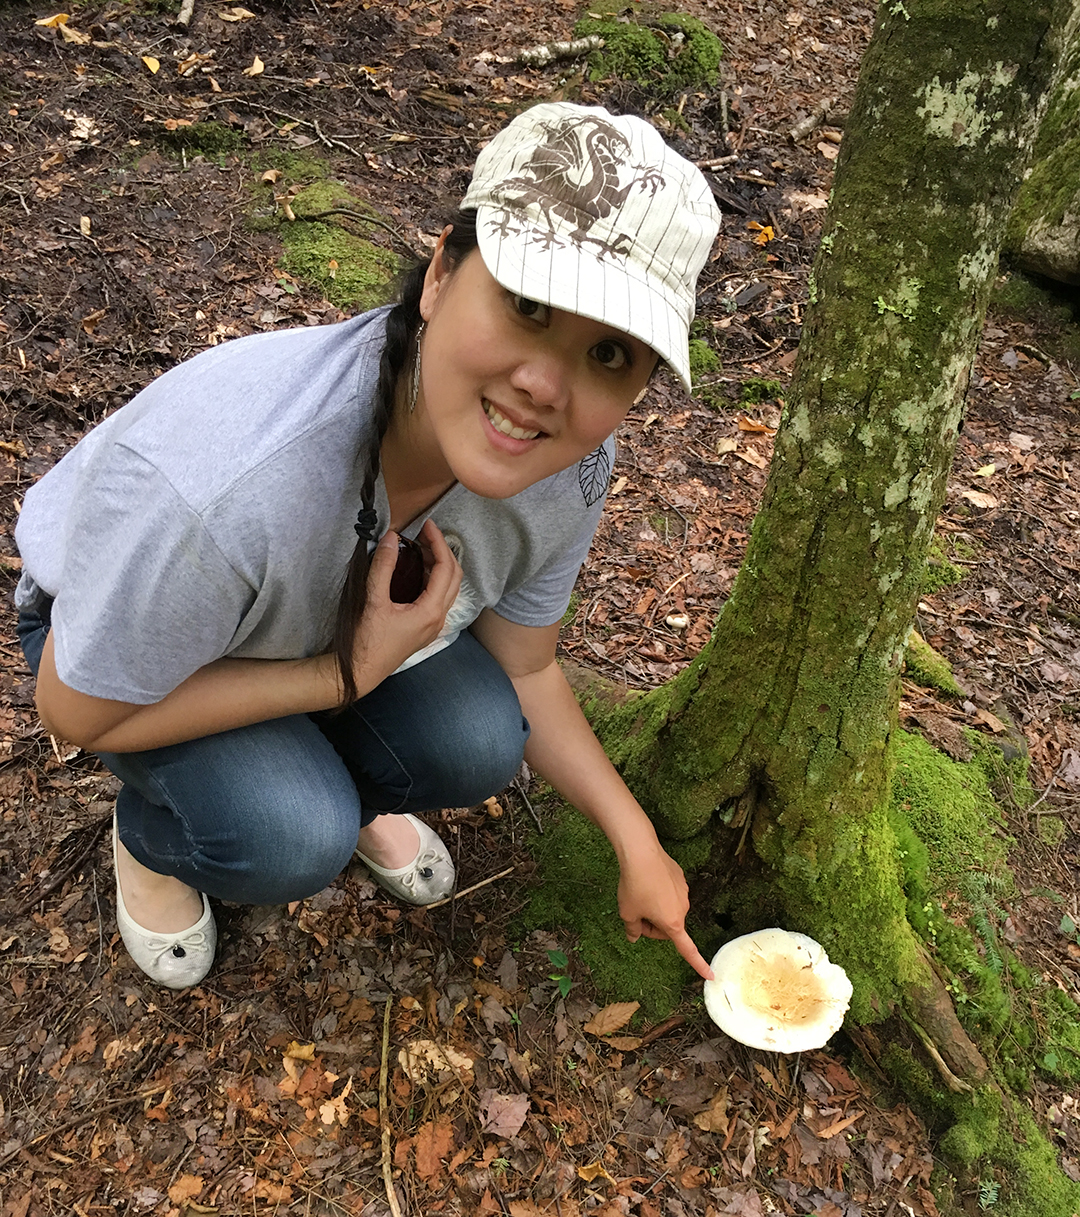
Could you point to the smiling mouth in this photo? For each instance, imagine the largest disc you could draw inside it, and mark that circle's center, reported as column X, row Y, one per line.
column 505, row 426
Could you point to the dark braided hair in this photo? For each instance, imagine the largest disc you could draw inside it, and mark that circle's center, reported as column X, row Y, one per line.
column 401, row 325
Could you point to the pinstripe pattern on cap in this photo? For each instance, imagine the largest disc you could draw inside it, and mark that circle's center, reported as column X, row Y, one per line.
column 593, row 213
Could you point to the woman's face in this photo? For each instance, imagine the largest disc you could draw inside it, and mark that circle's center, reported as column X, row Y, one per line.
column 514, row 391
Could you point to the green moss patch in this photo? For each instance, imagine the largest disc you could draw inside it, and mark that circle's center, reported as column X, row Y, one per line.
column 928, row 667
column 579, row 892
column 210, row 139
column 350, row 271
column 668, row 53
column 703, row 360
column 939, row 572
column 756, row 389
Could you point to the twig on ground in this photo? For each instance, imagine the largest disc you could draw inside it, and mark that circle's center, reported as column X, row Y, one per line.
column 718, row 161
column 384, row 1114
column 661, row 1029
column 475, row 887
column 183, row 17
column 1049, row 786
column 520, row 788
column 812, row 121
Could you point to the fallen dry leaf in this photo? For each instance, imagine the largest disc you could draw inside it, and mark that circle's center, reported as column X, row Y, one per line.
column 752, row 457
column 502, row 1115
column 989, row 720
column 592, row 1172
column 829, row 151
column 422, row 1057
column 187, row 1187
column 612, row 1017
column 57, row 19
column 153, row 64
column 257, row 67
column 434, row 1142
column 624, row 1043
column 979, row 498
column 714, row 1118
column 751, row 424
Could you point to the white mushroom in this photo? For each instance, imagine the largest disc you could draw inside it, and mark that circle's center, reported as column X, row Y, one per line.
column 774, row 989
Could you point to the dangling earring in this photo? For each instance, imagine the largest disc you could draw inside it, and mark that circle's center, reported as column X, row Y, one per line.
column 415, row 389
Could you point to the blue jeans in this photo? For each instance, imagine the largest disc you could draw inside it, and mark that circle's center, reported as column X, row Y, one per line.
column 270, row 813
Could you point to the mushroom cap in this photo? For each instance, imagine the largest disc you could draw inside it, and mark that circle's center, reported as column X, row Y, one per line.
column 775, row 989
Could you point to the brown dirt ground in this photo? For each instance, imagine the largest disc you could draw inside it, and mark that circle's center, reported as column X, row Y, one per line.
column 259, row 1089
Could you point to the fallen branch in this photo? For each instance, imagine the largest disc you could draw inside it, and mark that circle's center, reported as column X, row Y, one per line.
column 475, row 887
column 541, row 56
column 718, row 161
column 183, row 17
column 812, row 121
column 384, row 1115
column 661, row 1029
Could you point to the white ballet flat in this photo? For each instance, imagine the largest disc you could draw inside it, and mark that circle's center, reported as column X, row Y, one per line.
column 428, row 877
column 177, row 961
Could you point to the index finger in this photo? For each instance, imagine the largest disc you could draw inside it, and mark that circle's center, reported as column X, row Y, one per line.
column 686, row 947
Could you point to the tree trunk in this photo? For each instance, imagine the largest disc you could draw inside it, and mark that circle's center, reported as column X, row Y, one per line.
column 783, row 723
column 1044, row 230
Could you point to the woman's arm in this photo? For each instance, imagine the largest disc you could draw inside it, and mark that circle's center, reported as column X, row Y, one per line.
column 562, row 748
column 237, row 692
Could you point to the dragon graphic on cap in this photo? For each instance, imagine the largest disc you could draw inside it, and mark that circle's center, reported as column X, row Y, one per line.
column 573, row 174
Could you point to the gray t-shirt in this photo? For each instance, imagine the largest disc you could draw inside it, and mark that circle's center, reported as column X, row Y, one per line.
column 213, row 515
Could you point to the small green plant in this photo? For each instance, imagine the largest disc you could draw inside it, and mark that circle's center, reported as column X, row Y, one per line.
column 499, row 1167
column 1069, row 928
column 561, row 977
column 988, row 1193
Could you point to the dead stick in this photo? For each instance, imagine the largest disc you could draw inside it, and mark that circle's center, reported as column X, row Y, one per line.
column 519, row 786
column 183, row 17
column 670, row 1024
column 384, row 1114
column 717, row 161
column 77, row 1120
column 475, row 887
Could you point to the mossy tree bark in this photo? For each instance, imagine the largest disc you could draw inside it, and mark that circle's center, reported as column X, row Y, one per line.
column 784, row 721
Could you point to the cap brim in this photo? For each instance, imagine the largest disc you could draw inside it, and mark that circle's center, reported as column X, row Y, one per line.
column 577, row 278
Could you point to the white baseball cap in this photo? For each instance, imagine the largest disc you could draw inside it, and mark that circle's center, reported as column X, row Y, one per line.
column 594, row 214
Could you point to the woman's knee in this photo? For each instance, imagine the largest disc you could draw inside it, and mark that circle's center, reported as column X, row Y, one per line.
column 262, row 815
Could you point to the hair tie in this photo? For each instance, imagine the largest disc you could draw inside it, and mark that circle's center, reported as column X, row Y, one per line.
column 367, row 523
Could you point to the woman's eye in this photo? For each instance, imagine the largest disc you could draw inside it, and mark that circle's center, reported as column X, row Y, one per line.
column 612, row 355
column 532, row 308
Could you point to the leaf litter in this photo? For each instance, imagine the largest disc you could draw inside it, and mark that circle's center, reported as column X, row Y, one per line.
column 260, row 1088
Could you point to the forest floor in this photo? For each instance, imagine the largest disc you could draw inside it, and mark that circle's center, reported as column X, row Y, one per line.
column 127, row 245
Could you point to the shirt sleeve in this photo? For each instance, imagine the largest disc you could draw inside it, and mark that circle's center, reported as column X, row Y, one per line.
column 146, row 597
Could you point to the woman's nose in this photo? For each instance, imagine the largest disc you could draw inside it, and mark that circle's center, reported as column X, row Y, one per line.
column 545, row 376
